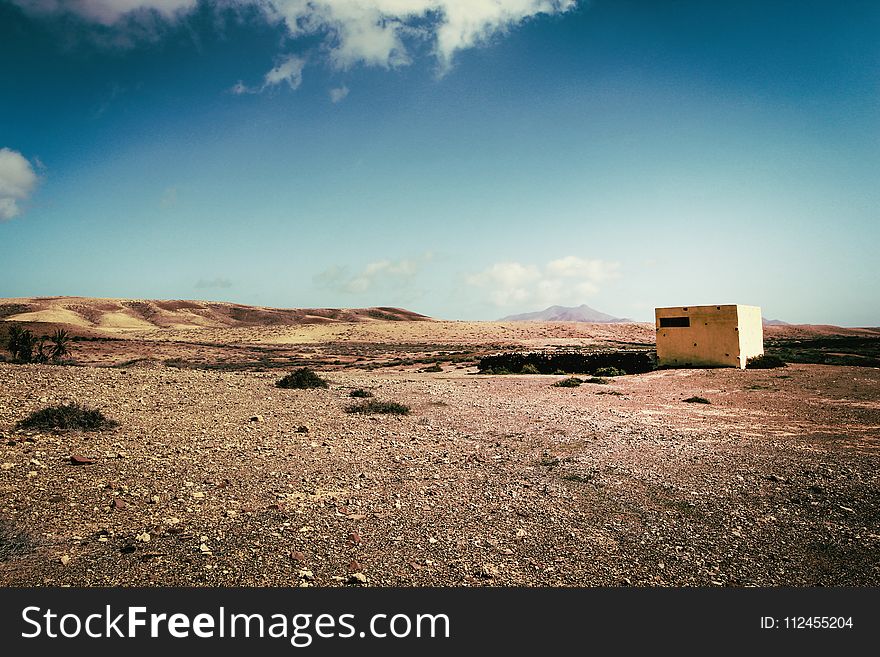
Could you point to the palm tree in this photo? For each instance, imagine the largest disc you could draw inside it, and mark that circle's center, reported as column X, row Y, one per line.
column 21, row 343
column 41, row 356
column 14, row 339
column 60, row 340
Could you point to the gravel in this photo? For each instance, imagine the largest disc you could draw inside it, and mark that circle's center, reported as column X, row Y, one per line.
column 222, row 479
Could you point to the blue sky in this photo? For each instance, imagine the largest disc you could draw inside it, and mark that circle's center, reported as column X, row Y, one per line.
column 465, row 159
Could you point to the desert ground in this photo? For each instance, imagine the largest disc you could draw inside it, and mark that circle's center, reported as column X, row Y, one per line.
column 216, row 477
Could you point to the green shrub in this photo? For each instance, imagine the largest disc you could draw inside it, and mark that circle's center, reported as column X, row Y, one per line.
column 570, row 382
column 609, row 371
column 301, row 379
column 361, row 393
column 432, row 368
column 697, row 400
column 70, row 417
column 596, row 379
column 528, row 368
column 374, row 406
column 764, row 362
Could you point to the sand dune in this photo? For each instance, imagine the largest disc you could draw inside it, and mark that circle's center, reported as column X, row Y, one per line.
column 115, row 315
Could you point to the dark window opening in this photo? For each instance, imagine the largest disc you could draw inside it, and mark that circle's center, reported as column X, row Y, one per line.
column 674, row 321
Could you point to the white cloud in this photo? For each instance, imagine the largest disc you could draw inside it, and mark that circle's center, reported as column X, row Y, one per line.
column 288, row 70
column 107, row 12
column 353, row 32
column 338, row 93
column 566, row 280
column 17, row 182
column 375, row 274
column 240, row 88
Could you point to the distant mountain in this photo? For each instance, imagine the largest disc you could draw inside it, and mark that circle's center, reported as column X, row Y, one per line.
column 774, row 322
column 582, row 313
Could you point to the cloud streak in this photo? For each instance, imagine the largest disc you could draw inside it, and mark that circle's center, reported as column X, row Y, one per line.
column 17, row 182
column 567, row 279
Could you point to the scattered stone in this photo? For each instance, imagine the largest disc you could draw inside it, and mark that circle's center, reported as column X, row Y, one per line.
column 490, row 571
column 155, row 499
column 143, row 538
column 230, row 513
column 65, row 559
column 306, row 574
column 355, row 538
column 198, row 495
column 354, row 566
column 357, row 578
column 302, row 429
column 298, row 556
column 7, row 466
column 76, row 459
column 256, row 418
column 119, row 504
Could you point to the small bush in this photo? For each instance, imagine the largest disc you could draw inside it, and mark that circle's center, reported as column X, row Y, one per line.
column 609, row 371
column 375, row 406
column 360, row 393
column 528, row 368
column 596, row 379
column 432, row 368
column 764, row 362
column 697, row 400
column 570, row 382
column 73, row 417
column 13, row 543
column 302, row 378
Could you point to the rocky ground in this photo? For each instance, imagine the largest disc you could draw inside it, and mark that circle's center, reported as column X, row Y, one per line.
column 218, row 478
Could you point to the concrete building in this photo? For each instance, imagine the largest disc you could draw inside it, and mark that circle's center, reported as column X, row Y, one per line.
column 708, row 336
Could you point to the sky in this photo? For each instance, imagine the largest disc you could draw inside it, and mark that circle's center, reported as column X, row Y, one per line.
column 465, row 159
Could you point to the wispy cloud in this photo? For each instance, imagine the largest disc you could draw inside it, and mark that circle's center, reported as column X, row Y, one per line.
column 17, row 182
column 288, row 70
column 338, row 94
column 378, row 274
column 218, row 283
column 353, row 32
column 565, row 280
